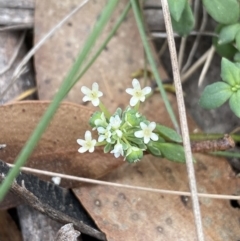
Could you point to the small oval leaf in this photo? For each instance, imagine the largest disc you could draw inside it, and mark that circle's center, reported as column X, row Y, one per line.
column 215, row 95
column 186, row 23
column 230, row 72
column 172, row 152
column 228, row 33
column 234, row 103
column 168, row 133
column 176, row 8
column 223, row 11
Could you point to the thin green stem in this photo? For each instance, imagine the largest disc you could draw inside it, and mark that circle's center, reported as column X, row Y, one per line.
column 151, row 61
column 203, row 136
column 136, row 107
column 45, row 120
column 104, row 110
column 225, row 153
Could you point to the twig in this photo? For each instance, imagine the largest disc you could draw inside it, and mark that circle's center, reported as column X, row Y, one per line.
column 196, row 42
column 15, row 54
column 181, row 51
column 183, row 121
column 162, row 49
column 195, row 66
column 111, row 184
column 193, row 33
column 206, row 65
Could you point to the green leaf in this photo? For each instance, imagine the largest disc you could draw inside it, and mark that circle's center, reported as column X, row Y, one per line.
column 108, row 148
column 238, row 40
column 155, row 151
column 224, row 50
column 118, row 112
column 228, row 33
column 186, row 23
column 168, row 133
column 230, row 72
column 237, row 57
column 234, row 103
column 176, row 8
column 223, row 11
column 172, row 152
column 215, row 95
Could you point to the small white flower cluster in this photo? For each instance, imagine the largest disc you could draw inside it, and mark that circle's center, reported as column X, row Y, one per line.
column 119, row 132
column 125, row 133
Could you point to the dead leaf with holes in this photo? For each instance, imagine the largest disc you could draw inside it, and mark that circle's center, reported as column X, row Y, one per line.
column 57, row 149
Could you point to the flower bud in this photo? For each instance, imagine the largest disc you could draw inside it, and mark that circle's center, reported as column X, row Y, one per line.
column 132, row 117
column 97, row 119
column 134, row 154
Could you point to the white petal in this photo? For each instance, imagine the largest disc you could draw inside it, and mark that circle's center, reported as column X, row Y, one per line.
column 100, row 94
column 101, row 138
column 146, row 139
column 94, row 142
column 85, row 90
column 88, row 136
column 95, row 102
column 80, row 142
column 142, row 98
column 130, row 91
column 91, row 149
column 147, row 90
column 86, row 98
column 136, row 84
column 154, row 137
column 133, row 101
column 143, row 125
column 101, row 129
column 95, row 86
column 152, row 126
column 82, row 149
column 138, row 134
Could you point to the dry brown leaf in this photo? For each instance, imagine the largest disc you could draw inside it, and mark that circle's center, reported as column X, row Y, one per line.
column 57, row 149
column 113, row 68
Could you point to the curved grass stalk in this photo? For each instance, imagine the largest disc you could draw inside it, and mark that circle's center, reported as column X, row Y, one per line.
column 151, row 61
column 48, row 115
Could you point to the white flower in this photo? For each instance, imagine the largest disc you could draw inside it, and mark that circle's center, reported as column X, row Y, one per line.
column 92, row 95
column 88, row 144
column 106, row 134
column 137, row 93
column 146, row 132
column 118, row 150
column 115, row 122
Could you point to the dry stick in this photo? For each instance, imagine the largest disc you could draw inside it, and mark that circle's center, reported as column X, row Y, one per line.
column 162, row 49
column 183, row 121
column 39, row 44
column 193, row 33
column 15, row 54
column 181, row 51
column 111, row 184
column 196, row 42
column 206, row 65
column 195, row 66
